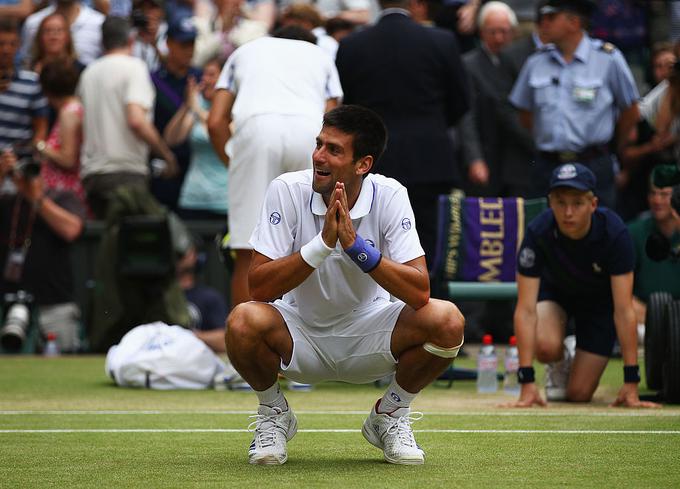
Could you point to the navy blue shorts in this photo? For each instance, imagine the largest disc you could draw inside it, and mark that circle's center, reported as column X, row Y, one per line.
column 593, row 319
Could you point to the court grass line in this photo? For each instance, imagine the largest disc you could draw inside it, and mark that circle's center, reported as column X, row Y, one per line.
column 330, row 430
column 495, row 412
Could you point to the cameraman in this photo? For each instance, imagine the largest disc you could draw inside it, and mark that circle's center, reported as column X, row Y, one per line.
column 655, row 276
column 37, row 227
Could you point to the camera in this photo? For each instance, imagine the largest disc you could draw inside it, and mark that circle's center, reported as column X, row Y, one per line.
column 17, row 320
column 28, row 168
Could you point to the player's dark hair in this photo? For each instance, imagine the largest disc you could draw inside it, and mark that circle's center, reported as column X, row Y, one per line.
column 367, row 129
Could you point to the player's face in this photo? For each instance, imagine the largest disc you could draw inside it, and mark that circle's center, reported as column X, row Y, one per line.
column 573, row 210
column 333, row 161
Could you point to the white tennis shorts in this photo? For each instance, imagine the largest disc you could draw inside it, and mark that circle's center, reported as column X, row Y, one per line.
column 355, row 350
column 263, row 148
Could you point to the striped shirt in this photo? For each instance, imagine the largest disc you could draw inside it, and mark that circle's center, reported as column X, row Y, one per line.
column 20, row 104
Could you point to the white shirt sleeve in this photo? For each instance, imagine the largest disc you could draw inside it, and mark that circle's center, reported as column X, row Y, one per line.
column 274, row 233
column 140, row 89
column 402, row 243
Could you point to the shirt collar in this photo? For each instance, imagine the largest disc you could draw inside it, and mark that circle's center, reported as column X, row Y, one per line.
column 582, row 52
column 393, row 10
column 362, row 206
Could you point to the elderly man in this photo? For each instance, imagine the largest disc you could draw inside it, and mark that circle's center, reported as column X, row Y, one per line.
column 490, row 120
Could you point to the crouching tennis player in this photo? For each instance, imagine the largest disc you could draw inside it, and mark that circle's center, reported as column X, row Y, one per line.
column 335, row 242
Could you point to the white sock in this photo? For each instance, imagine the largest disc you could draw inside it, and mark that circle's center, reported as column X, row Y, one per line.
column 395, row 398
column 273, row 397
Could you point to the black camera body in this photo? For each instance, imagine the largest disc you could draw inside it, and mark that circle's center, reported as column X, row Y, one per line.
column 27, row 168
column 18, row 309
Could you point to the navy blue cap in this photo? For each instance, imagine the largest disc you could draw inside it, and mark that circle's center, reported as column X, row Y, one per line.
column 582, row 7
column 182, row 30
column 573, row 175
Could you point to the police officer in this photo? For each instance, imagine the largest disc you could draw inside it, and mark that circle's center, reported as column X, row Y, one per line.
column 576, row 94
column 576, row 261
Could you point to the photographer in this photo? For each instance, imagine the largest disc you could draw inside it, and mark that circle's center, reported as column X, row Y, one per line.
column 148, row 19
column 652, row 275
column 37, row 227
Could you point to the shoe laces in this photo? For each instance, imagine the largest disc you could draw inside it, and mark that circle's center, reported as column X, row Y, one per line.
column 402, row 428
column 266, row 428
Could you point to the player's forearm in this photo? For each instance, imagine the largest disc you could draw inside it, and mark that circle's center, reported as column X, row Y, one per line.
column 407, row 282
column 272, row 279
column 525, row 332
column 626, row 331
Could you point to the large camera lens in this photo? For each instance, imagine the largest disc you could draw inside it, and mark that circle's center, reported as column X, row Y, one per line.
column 13, row 332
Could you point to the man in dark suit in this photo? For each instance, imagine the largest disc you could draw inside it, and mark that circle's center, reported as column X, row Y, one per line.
column 489, row 122
column 413, row 77
column 518, row 151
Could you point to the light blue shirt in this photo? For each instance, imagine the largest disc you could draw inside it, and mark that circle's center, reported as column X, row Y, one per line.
column 575, row 105
column 205, row 184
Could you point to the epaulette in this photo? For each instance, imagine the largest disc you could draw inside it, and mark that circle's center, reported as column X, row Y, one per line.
column 608, row 47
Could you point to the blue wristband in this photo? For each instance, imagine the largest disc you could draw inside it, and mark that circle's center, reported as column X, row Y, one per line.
column 364, row 255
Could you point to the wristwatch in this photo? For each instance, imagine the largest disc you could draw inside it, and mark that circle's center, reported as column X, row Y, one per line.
column 40, row 146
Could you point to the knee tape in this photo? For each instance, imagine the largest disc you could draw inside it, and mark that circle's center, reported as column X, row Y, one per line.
column 443, row 352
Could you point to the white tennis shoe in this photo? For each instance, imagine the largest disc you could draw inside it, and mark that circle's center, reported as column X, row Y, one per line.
column 273, row 429
column 394, row 436
column 557, row 373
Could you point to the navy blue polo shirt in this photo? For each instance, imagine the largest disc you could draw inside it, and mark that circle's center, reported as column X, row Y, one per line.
column 577, row 269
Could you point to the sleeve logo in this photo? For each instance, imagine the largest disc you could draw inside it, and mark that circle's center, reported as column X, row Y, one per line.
column 406, row 223
column 274, row 218
column 527, row 257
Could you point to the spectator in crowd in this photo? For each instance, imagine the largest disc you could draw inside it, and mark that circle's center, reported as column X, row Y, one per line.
column 515, row 55
column 117, row 131
column 84, row 23
column 338, row 29
column 576, row 261
column 60, row 152
column 207, row 308
column 171, row 82
column 23, row 109
column 359, row 12
column 413, row 77
column 653, row 276
column 336, row 320
column 663, row 59
column 230, row 27
column 53, row 41
column 37, row 225
column 150, row 46
column 482, row 129
column 275, row 89
column 576, row 98
column 624, row 24
column 308, row 17
column 204, row 190
column 16, row 9
column 459, row 16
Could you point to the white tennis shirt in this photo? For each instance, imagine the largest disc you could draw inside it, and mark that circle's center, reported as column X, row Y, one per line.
column 292, row 214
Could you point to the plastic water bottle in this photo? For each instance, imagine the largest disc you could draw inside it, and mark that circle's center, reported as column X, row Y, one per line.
column 51, row 347
column 487, row 365
column 510, row 384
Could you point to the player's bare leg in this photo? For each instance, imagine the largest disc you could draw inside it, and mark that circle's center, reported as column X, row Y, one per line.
column 257, row 341
column 439, row 325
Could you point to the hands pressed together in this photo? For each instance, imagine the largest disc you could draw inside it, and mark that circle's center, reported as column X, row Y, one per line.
column 338, row 223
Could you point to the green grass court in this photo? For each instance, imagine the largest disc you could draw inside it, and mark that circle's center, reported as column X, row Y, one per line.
column 64, row 424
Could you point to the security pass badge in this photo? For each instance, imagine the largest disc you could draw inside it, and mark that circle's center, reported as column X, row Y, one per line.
column 584, row 95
